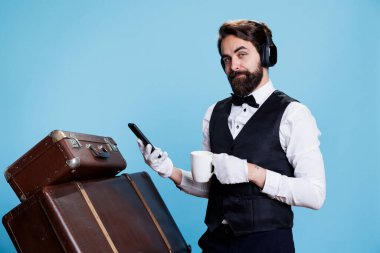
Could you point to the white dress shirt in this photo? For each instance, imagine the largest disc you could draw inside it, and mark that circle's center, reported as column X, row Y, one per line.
column 299, row 139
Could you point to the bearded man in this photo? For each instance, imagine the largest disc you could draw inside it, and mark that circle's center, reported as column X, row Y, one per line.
column 265, row 147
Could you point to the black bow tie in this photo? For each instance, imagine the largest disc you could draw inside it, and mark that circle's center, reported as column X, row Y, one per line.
column 250, row 100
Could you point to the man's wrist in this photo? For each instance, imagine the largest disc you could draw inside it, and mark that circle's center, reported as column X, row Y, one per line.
column 256, row 175
column 176, row 175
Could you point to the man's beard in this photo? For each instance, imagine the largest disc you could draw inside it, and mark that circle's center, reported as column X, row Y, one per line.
column 244, row 82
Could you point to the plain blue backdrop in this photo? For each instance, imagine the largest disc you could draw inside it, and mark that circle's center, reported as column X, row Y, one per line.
column 94, row 66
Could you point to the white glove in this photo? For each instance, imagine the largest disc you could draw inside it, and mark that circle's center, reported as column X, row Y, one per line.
column 157, row 160
column 230, row 169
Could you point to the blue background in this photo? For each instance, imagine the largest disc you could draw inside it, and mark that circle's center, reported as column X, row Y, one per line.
column 94, row 66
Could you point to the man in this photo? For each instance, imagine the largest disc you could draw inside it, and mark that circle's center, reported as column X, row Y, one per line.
column 266, row 152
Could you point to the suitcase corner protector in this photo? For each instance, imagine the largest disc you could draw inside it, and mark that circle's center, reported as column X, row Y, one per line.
column 23, row 198
column 73, row 163
column 57, row 135
column 5, row 219
column 7, row 174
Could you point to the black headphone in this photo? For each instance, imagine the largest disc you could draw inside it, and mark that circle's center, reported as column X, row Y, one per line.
column 268, row 52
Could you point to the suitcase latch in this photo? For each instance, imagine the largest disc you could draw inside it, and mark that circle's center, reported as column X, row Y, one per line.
column 75, row 142
column 113, row 146
column 101, row 152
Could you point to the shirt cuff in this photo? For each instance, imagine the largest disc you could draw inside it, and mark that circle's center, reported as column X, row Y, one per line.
column 187, row 179
column 272, row 182
column 189, row 186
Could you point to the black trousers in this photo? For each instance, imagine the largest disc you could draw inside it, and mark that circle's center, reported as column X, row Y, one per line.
column 222, row 240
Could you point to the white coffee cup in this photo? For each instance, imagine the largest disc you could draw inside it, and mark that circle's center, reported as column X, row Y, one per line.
column 201, row 166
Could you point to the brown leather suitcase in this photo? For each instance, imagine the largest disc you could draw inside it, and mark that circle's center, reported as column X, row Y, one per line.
column 121, row 214
column 145, row 189
column 62, row 157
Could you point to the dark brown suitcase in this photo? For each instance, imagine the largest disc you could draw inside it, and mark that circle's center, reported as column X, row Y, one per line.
column 122, row 214
column 62, row 157
column 144, row 187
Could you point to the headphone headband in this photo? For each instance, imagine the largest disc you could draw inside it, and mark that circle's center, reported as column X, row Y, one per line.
column 268, row 50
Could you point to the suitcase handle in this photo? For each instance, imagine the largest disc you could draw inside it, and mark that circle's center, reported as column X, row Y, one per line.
column 103, row 153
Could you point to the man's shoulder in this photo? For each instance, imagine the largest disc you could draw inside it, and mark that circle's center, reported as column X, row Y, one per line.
column 211, row 108
column 293, row 104
column 297, row 111
column 294, row 110
column 223, row 101
column 209, row 111
column 283, row 96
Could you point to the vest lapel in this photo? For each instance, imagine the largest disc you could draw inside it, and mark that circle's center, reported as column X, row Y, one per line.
column 224, row 118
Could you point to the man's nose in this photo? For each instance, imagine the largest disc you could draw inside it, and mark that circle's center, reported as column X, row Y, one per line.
column 235, row 64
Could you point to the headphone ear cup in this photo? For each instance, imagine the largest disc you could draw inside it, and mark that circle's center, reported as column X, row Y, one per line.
column 272, row 57
column 268, row 55
column 264, row 55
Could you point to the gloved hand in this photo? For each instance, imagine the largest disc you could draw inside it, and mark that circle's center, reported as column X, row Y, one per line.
column 157, row 160
column 230, row 169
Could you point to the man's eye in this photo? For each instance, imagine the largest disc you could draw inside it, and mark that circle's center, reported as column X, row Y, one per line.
column 241, row 55
column 226, row 59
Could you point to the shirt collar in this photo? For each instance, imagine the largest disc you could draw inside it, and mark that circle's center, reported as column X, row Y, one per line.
column 261, row 94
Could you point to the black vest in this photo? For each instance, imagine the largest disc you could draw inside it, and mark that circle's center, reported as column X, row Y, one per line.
column 243, row 205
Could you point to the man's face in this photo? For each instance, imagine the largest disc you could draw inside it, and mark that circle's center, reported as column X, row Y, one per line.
column 242, row 64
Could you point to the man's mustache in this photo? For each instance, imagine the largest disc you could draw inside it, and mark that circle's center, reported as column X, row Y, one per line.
column 233, row 74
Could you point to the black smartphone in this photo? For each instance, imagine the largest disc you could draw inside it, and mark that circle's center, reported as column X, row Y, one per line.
column 140, row 135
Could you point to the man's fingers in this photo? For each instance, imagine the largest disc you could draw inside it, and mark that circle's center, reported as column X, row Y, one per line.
column 153, row 156
column 164, row 155
column 141, row 145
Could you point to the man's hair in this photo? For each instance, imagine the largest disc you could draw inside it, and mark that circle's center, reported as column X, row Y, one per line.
column 248, row 30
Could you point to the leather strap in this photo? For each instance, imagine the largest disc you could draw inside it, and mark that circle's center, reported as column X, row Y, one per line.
column 141, row 197
column 96, row 216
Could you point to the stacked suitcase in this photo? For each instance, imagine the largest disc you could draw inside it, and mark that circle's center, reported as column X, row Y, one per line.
column 72, row 201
